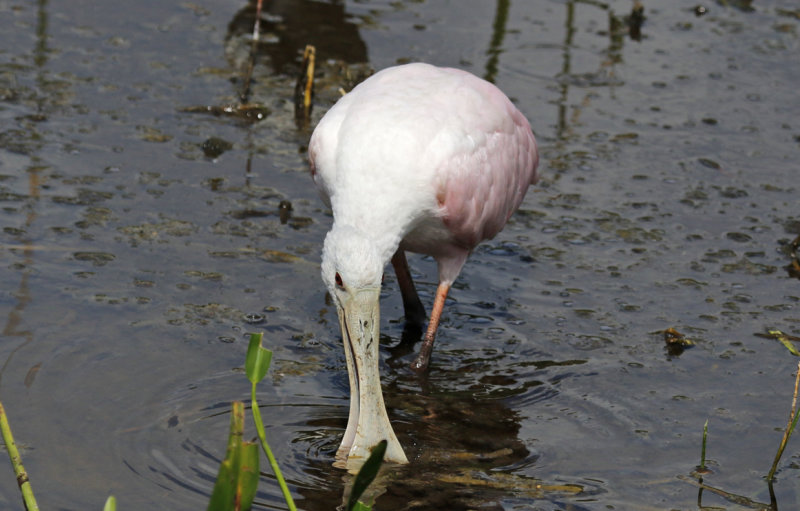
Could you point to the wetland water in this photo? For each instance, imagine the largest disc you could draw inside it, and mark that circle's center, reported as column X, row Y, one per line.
column 132, row 265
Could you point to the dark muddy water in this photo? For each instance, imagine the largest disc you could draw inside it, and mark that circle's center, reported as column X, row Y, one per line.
column 132, row 265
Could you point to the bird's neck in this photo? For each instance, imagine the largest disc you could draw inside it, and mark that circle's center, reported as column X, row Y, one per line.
column 384, row 218
column 386, row 238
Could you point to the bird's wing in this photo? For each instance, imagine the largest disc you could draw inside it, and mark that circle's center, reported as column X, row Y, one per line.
column 482, row 183
column 427, row 143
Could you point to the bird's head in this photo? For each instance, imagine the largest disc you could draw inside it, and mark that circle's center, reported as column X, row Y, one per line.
column 352, row 269
column 350, row 262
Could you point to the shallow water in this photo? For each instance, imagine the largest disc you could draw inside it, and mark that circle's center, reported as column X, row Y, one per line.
column 134, row 266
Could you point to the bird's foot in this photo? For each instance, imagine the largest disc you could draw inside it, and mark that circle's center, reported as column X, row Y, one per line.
column 420, row 364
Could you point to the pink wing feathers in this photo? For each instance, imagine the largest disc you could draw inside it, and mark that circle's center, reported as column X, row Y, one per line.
column 481, row 187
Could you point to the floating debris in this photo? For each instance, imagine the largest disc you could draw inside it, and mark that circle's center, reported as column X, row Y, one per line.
column 96, row 258
column 277, row 256
column 213, row 147
column 785, row 339
column 151, row 134
column 672, row 336
column 483, row 456
column 508, row 482
column 251, row 112
column 676, row 342
column 709, row 163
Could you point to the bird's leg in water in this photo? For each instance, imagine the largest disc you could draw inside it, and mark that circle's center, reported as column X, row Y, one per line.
column 421, row 362
column 415, row 312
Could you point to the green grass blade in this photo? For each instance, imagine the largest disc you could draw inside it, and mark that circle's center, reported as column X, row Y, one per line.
column 794, row 415
column 111, row 504
column 223, row 498
column 258, row 359
column 366, row 475
column 16, row 462
column 247, row 480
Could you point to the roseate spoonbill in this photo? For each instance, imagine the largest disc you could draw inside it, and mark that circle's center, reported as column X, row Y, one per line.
column 415, row 158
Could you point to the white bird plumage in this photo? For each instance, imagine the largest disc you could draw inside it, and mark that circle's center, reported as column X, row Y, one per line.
column 415, row 158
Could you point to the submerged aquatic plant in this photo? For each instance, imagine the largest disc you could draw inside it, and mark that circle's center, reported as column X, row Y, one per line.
column 794, row 418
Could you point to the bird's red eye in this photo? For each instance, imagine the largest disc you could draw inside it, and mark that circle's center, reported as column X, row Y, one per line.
column 338, row 279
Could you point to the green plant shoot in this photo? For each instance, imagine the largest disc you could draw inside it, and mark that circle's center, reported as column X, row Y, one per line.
column 16, row 462
column 111, row 504
column 794, row 415
column 237, row 480
column 256, row 366
column 258, row 359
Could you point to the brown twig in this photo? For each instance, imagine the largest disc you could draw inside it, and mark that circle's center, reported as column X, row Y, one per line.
column 740, row 500
column 304, row 88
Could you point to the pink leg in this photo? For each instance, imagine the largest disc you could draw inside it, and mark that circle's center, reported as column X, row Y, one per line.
column 415, row 312
column 421, row 362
